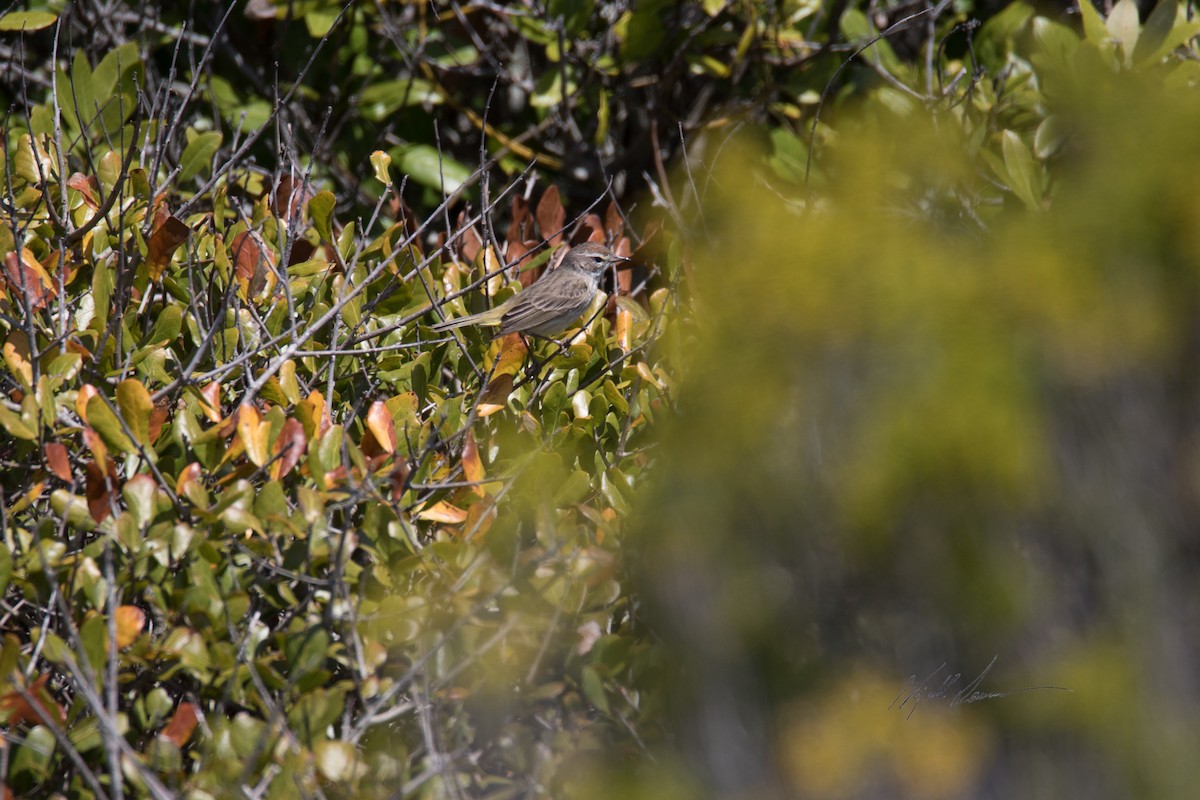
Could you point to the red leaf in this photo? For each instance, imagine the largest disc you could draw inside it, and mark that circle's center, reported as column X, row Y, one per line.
column 21, row 710
column 291, row 198
column 98, row 493
column 290, row 446
column 182, row 724
column 163, row 243
column 56, row 459
column 251, row 259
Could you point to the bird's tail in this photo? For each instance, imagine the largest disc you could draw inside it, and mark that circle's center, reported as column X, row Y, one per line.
column 481, row 318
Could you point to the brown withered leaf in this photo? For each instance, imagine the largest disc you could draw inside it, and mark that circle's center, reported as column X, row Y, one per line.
column 470, row 241
column 624, row 273
column 594, row 228
column 251, row 260
column 551, row 216
column 495, row 396
column 163, row 243
column 182, row 724
column 614, row 223
column 158, row 418
column 57, row 461
column 291, row 198
column 290, row 446
column 399, row 479
column 21, row 710
column 520, row 227
column 98, row 489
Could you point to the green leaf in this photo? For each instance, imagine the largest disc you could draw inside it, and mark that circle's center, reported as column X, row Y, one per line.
column 27, row 20
column 135, row 405
column 1094, row 29
column 425, row 165
column 320, row 208
column 101, row 418
column 1124, row 25
column 379, row 101
column 1021, row 170
column 166, row 327
column 13, row 423
column 593, row 689
column 198, row 154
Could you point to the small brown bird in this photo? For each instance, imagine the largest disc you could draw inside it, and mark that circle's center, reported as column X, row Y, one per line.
column 554, row 301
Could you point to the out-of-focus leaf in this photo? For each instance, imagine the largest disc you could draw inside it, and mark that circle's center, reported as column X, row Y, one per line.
column 425, row 165
column 27, row 20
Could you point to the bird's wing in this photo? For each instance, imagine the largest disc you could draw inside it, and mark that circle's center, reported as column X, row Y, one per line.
column 535, row 307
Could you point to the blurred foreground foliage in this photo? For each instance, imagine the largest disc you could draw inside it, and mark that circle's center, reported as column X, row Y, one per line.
column 946, row 413
column 265, row 535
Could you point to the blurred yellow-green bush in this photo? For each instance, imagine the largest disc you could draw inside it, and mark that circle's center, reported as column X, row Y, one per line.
column 913, row 442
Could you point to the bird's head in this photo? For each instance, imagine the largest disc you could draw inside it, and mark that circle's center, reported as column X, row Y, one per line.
column 593, row 257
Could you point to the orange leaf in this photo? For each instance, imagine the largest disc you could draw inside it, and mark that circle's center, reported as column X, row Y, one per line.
column 212, row 401
column 86, row 392
column 510, row 354
column 18, row 709
column 17, row 357
column 480, row 517
column 253, row 432
column 471, row 463
column 442, row 511
column 313, row 413
column 28, row 279
column 290, row 446
column 381, row 426
column 96, row 445
column 86, row 187
column 624, row 323
column 56, row 459
column 495, row 396
column 158, row 418
column 187, row 476
column 131, row 620
column 182, row 724
column 551, row 216
column 164, row 241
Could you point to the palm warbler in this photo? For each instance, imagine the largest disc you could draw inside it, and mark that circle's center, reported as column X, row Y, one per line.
column 554, row 302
